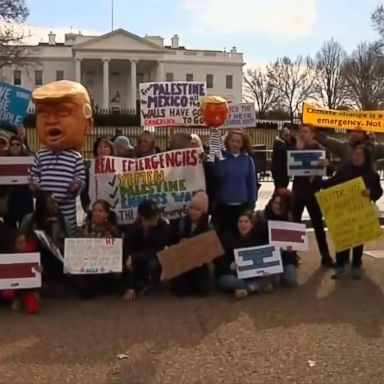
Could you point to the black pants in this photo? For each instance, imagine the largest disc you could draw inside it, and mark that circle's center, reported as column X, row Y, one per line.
column 192, row 283
column 308, row 200
column 225, row 217
column 342, row 258
column 88, row 286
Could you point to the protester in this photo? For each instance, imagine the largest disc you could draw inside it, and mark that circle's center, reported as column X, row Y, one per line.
column 236, row 187
column 123, row 147
column 225, row 266
column 143, row 239
column 304, row 189
column 145, row 145
column 180, row 140
column 28, row 299
column 360, row 166
column 4, row 143
column 278, row 209
column 196, row 281
column 22, row 135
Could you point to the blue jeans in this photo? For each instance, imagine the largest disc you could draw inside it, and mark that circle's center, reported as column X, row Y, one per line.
column 229, row 283
column 288, row 277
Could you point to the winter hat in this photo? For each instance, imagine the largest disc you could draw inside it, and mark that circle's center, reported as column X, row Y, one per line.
column 200, row 202
column 123, row 142
column 4, row 136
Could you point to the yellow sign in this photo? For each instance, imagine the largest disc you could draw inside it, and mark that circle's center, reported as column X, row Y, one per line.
column 350, row 217
column 372, row 121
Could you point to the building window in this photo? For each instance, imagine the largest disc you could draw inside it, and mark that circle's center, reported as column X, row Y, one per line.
column 209, row 80
column 169, row 76
column 38, row 77
column 189, row 77
column 229, row 82
column 59, row 75
column 90, row 79
column 17, row 77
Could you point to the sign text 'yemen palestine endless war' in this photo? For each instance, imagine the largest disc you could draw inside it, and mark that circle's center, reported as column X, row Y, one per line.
column 171, row 104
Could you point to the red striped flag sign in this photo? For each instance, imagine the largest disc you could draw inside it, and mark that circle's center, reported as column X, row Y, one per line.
column 19, row 271
column 15, row 169
column 284, row 234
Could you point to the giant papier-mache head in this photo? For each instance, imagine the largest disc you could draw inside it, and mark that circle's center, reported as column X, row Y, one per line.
column 214, row 110
column 63, row 114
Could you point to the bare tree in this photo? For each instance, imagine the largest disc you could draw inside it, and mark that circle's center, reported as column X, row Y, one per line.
column 293, row 81
column 12, row 14
column 378, row 20
column 364, row 75
column 330, row 81
column 259, row 90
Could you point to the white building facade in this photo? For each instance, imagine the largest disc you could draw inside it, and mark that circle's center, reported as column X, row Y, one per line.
column 113, row 65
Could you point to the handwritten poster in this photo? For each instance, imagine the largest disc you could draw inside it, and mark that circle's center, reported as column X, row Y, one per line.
column 14, row 103
column 306, row 163
column 169, row 178
column 86, row 256
column 18, row 271
column 350, row 217
column 258, row 261
column 167, row 104
column 242, row 115
column 15, row 169
column 288, row 235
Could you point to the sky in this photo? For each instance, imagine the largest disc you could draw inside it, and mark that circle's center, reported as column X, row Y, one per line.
column 261, row 29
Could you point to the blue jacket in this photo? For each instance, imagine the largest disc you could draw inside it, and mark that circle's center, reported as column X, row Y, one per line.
column 236, row 180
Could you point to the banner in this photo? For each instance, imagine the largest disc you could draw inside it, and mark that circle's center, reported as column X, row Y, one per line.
column 242, row 115
column 258, row 261
column 306, row 163
column 18, row 271
column 355, row 120
column 168, row 104
column 85, row 256
column 169, row 178
column 350, row 217
column 15, row 169
column 190, row 254
column 14, row 103
column 285, row 235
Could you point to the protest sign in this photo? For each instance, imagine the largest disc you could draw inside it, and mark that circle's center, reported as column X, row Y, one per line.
column 15, row 170
column 242, row 115
column 86, row 256
column 49, row 244
column 355, row 120
column 350, row 217
column 306, row 163
column 169, row 178
column 168, row 104
column 190, row 254
column 285, row 235
column 18, row 270
column 258, row 261
column 14, row 103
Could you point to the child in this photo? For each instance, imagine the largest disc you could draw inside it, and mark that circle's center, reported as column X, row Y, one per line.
column 225, row 266
column 27, row 298
column 196, row 281
column 359, row 166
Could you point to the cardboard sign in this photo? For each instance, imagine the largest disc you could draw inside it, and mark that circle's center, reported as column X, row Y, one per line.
column 242, row 115
column 379, row 254
column 169, row 178
column 15, row 169
column 14, row 103
column 49, row 244
column 167, row 104
column 350, row 217
column 18, row 270
column 306, row 163
column 325, row 118
column 258, row 261
column 285, row 235
column 190, row 254
column 88, row 256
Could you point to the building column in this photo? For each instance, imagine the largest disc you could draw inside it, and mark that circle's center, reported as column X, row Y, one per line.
column 106, row 83
column 160, row 71
column 78, row 70
column 133, row 85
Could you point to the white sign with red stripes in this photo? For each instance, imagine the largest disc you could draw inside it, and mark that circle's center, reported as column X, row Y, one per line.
column 15, row 169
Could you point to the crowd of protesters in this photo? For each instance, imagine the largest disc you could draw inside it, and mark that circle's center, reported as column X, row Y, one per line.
column 227, row 205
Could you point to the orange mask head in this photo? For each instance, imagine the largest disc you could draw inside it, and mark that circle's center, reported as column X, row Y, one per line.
column 215, row 110
column 63, row 115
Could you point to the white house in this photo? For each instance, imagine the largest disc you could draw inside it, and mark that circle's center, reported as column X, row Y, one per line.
column 112, row 65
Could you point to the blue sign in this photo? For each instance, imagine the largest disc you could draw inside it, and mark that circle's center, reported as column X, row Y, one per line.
column 14, row 103
column 306, row 163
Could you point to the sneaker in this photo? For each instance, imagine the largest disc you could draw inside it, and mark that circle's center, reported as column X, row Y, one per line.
column 241, row 294
column 356, row 273
column 327, row 262
column 267, row 288
column 337, row 273
column 31, row 302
